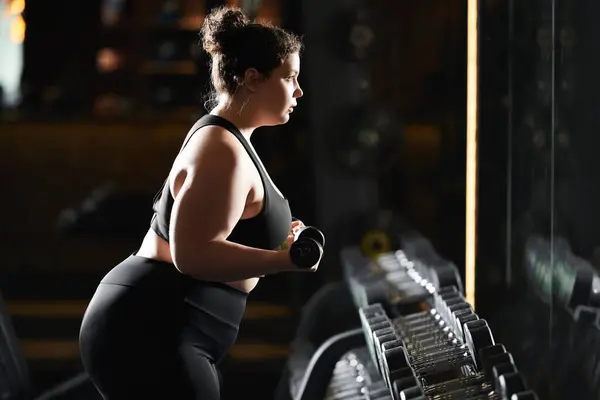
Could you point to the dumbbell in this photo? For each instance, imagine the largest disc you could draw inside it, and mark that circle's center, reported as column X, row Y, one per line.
column 396, row 275
column 431, row 322
column 350, row 377
column 344, row 377
column 481, row 390
column 441, row 362
column 455, row 384
column 389, row 263
column 418, row 316
column 381, row 354
column 510, row 384
column 307, row 248
column 412, row 393
column 431, row 346
column 395, row 365
column 403, row 281
column 375, row 292
column 381, row 338
column 495, row 361
column 477, row 336
column 444, row 276
column 457, row 315
column 450, row 302
column 429, row 330
column 372, row 310
column 402, row 384
column 486, row 355
column 407, row 291
column 471, row 386
column 426, row 341
column 374, row 327
column 460, row 317
column 502, row 369
column 429, row 337
column 401, row 374
column 419, row 327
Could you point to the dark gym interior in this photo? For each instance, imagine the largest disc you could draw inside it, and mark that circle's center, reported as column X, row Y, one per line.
column 446, row 150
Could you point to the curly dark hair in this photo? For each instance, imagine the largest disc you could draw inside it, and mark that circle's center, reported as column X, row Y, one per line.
column 235, row 44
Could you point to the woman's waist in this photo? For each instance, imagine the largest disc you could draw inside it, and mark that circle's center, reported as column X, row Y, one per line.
column 216, row 303
column 156, row 248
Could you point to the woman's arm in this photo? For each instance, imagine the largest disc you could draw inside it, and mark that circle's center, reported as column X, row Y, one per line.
column 210, row 196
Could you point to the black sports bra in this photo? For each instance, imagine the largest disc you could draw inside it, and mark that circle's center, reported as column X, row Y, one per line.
column 268, row 230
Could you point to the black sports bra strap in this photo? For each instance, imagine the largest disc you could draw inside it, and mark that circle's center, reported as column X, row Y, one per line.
column 209, row 120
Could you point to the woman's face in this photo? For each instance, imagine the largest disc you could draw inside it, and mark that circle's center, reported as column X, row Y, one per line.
column 277, row 96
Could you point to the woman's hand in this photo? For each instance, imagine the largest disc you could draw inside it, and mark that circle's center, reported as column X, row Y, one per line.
column 291, row 237
column 296, row 226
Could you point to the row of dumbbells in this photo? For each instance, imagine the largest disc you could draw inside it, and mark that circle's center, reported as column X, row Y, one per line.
column 356, row 378
column 392, row 282
column 400, row 280
column 425, row 356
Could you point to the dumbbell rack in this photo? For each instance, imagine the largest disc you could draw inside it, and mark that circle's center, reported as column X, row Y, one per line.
column 434, row 346
column 355, row 376
column 393, row 280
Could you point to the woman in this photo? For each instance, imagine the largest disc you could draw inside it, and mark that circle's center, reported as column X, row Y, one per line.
column 162, row 318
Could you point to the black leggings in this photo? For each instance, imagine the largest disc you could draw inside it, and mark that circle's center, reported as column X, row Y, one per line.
column 141, row 339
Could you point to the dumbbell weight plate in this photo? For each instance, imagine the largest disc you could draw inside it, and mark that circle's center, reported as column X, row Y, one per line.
column 305, row 253
column 376, row 323
column 449, row 289
column 450, row 310
column 392, row 360
column 370, row 331
column 477, row 336
column 449, row 294
column 379, row 341
column 371, row 325
column 387, row 334
column 413, row 393
column 461, row 317
column 492, row 361
column 398, row 385
column 371, row 311
column 489, row 351
column 509, row 384
column 312, row 233
column 502, row 369
column 446, row 276
column 527, row 395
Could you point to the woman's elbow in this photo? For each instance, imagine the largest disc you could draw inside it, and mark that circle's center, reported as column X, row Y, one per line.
column 182, row 258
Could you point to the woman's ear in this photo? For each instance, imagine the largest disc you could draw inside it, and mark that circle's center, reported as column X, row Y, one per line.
column 252, row 78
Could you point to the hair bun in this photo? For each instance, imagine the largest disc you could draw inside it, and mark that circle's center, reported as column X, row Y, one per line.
column 219, row 26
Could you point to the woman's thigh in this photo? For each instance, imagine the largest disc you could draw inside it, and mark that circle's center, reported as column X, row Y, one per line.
column 200, row 374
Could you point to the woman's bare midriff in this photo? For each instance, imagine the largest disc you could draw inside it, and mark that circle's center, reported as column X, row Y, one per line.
column 155, row 247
